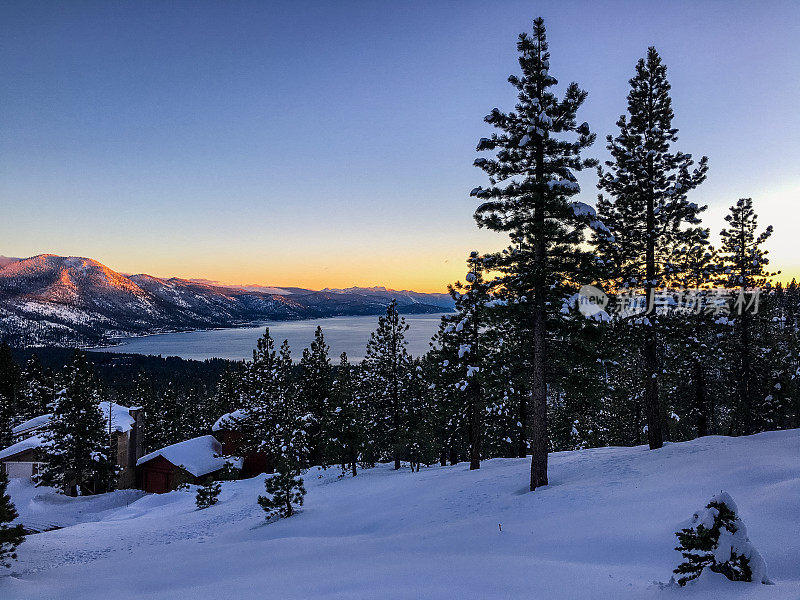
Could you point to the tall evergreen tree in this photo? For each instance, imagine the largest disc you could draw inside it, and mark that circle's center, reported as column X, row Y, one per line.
column 444, row 377
column 387, row 366
column 349, row 436
column 76, row 443
column 646, row 210
column 531, row 180
column 417, row 440
column 315, row 392
column 468, row 325
column 287, row 442
column 745, row 272
column 260, row 390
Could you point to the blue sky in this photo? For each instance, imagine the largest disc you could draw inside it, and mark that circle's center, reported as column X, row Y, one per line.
column 332, row 143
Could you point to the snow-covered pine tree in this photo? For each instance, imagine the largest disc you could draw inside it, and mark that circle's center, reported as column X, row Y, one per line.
column 76, row 442
column 531, row 180
column 228, row 392
column 717, row 539
column 468, row 327
column 622, row 414
column 386, row 368
column 417, row 434
column 11, row 536
column 288, row 398
column 507, row 385
column 286, row 490
column 692, row 349
column 259, row 389
column 744, row 264
column 777, row 364
column 36, row 391
column 315, row 396
column 208, row 493
column 166, row 422
column 349, row 427
column 448, row 422
column 288, row 442
column 578, row 386
column 646, row 210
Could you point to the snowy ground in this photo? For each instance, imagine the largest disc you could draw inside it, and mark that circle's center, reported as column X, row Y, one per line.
column 602, row 529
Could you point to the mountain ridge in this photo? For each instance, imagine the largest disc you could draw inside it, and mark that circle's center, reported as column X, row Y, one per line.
column 49, row 299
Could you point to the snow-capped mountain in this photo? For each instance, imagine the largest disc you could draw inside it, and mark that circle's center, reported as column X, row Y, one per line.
column 49, row 299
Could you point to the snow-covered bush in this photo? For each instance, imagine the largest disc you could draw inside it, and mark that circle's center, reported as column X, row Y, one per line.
column 716, row 538
column 207, row 494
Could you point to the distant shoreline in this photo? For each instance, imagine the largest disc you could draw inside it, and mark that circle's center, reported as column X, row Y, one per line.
column 117, row 341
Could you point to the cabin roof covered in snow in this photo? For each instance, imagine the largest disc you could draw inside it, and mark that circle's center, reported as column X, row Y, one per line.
column 200, row 455
column 121, row 419
column 35, row 441
column 33, row 423
column 229, row 420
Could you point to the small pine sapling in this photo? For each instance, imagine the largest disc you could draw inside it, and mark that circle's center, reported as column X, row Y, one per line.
column 717, row 538
column 285, row 490
column 208, row 493
column 11, row 536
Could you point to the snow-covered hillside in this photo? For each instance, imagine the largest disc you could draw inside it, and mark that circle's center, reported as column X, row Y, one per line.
column 604, row 528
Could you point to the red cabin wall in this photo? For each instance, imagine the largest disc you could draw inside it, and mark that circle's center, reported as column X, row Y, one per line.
column 156, row 475
column 254, row 463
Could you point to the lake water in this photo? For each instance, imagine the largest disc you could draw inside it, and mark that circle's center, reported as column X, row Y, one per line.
column 342, row 334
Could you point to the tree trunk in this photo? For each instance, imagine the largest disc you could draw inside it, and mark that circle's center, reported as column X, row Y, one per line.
column 539, row 380
column 396, row 426
column 539, row 401
column 652, row 408
column 522, row 449
column 700, row 399
column 473, row 393
column 745, row 416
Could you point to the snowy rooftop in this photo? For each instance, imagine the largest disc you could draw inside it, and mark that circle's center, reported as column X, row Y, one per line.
column 33, row 423
column 35, row 441
column 199, row 456
column 229, row 420
column 121, row 419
